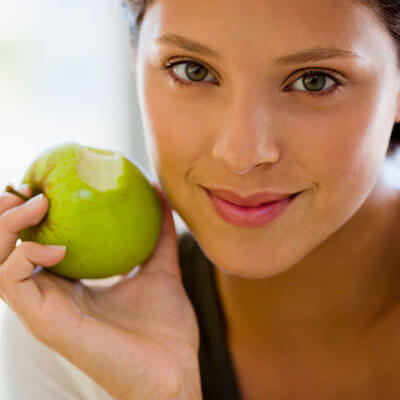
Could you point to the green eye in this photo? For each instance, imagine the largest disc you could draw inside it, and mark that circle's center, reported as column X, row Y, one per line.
column 314, row 82
column 196, row 72
column 189, row 72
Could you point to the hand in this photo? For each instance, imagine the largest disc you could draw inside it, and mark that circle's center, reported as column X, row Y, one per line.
column 138, row 339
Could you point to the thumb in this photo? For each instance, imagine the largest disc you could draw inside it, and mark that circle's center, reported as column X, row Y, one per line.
column 165, row 255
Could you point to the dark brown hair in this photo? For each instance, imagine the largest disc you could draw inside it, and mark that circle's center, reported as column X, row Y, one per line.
column 388, row 11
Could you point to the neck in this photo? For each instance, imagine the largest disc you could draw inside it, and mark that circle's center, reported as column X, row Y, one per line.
column 335, row 292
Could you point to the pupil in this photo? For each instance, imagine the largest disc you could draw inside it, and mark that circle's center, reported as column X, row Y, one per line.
column 194, row 71
column 314, row 82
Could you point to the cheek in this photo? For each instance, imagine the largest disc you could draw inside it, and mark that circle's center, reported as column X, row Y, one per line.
column 340, row 153
column 176, row 135
column 177, row 125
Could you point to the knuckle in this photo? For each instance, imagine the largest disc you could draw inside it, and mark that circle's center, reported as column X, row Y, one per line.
column 23, row 247
column 5, row 218
column 26, row 250
column 27, row 247
column 31, row 216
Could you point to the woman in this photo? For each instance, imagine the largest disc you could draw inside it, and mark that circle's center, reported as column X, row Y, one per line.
column 283, row 98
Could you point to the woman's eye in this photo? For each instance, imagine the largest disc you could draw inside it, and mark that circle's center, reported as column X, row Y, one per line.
column 314, row 82
column 188, row 72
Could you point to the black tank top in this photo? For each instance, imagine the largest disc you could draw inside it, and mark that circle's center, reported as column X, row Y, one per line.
column 218, row 378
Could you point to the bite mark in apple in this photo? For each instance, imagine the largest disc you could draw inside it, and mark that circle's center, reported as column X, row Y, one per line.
column 100, row 169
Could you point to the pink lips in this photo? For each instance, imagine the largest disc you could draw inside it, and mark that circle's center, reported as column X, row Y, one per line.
column 250, row 201
column 250, row 216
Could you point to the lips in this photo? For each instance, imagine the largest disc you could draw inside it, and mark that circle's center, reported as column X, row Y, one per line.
column 250, row 201
column 250, row 217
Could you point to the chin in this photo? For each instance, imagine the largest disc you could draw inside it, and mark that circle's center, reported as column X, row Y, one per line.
column 246, row 262
column 260, row 270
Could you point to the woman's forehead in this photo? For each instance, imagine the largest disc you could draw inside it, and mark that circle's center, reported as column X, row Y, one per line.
column 262, row 14
column 283, row 28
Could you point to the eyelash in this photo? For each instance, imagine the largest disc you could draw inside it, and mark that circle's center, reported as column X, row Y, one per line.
column 332, row 90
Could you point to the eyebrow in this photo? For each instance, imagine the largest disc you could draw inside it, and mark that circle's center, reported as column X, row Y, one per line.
column 307, row 55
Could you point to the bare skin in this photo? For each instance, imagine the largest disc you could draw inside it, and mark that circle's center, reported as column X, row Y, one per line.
column 332, row 336
column 138, row 339
column 311, row 300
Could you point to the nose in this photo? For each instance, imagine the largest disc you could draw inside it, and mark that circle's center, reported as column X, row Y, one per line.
column 246, row 141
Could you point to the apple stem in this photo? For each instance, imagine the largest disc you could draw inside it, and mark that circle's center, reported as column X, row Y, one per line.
column 10, row 189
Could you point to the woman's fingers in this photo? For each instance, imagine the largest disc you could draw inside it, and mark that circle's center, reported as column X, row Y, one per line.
column 165, row 255
column 9, row 200
column 16, row 287
column 17, row 218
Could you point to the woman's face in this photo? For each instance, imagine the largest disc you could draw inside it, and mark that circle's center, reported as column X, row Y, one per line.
column 244, row 121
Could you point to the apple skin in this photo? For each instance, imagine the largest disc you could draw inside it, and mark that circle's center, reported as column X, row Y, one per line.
column 106, row 232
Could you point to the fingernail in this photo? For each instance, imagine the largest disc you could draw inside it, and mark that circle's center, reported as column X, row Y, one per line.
column 35, row 199
column 23, row 186
column 58, row 248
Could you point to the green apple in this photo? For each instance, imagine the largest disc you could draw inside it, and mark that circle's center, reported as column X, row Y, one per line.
column 101, row 207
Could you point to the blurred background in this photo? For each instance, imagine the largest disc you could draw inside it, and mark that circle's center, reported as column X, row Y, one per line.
column 65, row 75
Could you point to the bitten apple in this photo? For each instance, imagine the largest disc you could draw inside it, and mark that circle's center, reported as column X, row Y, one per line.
column 101, row 207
